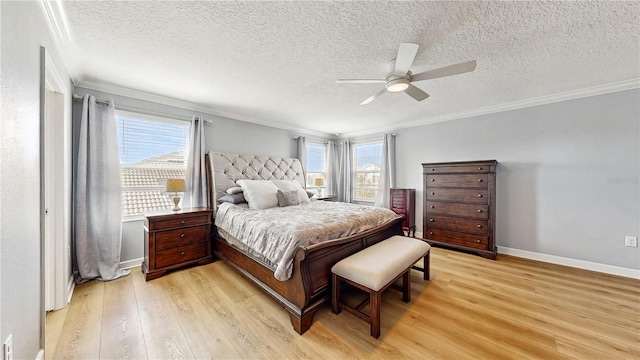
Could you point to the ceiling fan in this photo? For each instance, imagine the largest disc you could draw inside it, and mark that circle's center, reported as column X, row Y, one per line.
column 400, row 78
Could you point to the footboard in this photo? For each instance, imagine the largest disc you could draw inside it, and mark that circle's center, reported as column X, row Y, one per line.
column 309, row 287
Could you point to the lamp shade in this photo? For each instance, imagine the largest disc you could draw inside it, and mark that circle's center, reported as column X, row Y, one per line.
column 318, row 181
column 176, row 185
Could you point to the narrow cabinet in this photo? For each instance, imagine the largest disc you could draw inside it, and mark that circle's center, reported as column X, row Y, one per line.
column 460, row 204
column 403, row 202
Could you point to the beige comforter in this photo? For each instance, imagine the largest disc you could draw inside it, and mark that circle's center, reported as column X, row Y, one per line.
column 274, row 234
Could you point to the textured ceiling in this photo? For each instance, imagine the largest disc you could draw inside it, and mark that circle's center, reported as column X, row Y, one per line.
column 277, row 62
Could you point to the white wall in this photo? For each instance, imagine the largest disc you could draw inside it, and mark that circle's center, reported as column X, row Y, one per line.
column 23, row 32
column 567, row 182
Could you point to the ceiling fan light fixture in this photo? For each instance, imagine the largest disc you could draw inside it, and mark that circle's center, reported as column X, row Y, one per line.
column 397, row 85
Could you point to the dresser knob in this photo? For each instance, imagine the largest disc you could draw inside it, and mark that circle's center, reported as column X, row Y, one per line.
column 432, row 206
column 479, row 195
column 433, row 169
column 478, row 241
column 431, row 220
column 182, row 222
column 182, row 253
column 182, row 235
column 433, row 193
column 432, row 179
column 479, row 211
column 479, row 180
column 430, row 232
column 479, row 226
column 479, row 168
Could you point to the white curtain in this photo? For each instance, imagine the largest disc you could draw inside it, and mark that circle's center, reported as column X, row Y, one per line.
column 98, row 202
column 387, row 170
column 301, row 144
column 344, row 172
column 331, row 181
column 196, row 179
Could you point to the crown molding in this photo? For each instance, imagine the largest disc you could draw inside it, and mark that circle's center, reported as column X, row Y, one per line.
column 56, row 20
column 164, row 100
column 543, row 100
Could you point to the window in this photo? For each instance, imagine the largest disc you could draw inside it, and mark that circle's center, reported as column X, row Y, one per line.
column 366, row 171
column 316, row 169
column 152, row 150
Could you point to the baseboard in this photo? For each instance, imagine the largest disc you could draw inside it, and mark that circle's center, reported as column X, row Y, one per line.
column 130, row 264
column 580, row 264
column 40, row 355
column 71, row 285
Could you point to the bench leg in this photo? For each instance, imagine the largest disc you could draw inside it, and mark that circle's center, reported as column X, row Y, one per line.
column 406, row 286
column 374, row 304
column 426, row 266
column 335, row 294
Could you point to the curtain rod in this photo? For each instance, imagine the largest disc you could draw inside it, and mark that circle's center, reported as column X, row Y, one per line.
column 77, row 97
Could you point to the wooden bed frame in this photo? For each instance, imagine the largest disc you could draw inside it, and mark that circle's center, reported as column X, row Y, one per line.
column 309, row 286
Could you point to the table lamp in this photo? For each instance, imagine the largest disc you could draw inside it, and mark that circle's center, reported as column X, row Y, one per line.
column 175, row 186
column 319, row 182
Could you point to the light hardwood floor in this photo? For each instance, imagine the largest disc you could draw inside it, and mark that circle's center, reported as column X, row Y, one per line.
column 472, row 308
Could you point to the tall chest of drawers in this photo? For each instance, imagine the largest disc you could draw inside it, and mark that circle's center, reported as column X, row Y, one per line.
column 460, row 205
column 174, row 239
column 403, row 202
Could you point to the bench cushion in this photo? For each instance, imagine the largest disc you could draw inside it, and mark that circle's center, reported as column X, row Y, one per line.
column 375, row 266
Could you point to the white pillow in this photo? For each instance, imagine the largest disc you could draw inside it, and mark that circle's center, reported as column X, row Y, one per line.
column 260, row 194
column 234, row 190
column 292, row 185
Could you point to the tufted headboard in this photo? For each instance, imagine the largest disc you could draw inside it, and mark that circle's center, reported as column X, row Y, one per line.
column 226, row 168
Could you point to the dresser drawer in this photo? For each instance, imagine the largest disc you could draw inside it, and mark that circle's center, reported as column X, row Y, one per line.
column 171, row 238
column 180, row 222
column 462, row 239
column 479, row 211
column 179, row 255
column 398, row 202
column 476, row 196
column 466, row 181
column 473, row 226
column 458, row 169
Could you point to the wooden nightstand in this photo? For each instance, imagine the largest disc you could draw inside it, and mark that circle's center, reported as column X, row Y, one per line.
column 327, row 197
column 173, row 239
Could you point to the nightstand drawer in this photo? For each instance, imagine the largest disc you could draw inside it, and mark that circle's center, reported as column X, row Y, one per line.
column 177, row 237
column 465, row 181
column 180, row 222
column 179, row 255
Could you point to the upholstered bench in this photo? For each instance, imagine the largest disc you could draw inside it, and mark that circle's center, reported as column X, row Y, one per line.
column 376, row 268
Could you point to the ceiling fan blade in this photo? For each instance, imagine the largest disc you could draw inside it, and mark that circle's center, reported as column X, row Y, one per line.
column 406, row 53
column 359, row 81
column 445, row 71
column 372, row 97
column 416, row 93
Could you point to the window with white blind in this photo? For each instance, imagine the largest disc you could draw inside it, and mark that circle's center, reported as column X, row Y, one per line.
column 367, row 159
column 152, row 150
column 316, row 167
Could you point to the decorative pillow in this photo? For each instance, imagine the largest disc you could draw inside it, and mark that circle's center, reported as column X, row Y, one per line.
column 287, row 198
column 233, row 198
column 291, row 185
column 234, row 190
column 310, row 194
column 260, row 194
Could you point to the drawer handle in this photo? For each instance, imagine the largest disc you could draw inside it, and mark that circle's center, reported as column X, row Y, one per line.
column 479, row 226
column 433, row 193
column 431, row 220
column 479, row 168
column 432, row 179
column 433, row 169
column 479, row 195
column 432, row 206
column 478, row 241
column 479, row 211
column 182, row 222
column 479, row 180
column 182, row 235
column 182, row 253
column 430, row 232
